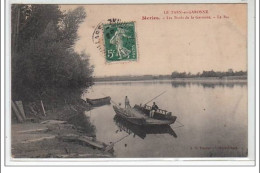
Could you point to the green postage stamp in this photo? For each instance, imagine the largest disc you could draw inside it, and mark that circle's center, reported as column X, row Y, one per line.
column 120, row 42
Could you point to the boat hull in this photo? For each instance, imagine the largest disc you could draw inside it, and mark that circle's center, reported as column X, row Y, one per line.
column 142, row 121
column 123, row 114
column 99, row 102
column 158, row 114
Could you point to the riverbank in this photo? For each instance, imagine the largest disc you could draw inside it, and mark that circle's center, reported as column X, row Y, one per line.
column 64, row 132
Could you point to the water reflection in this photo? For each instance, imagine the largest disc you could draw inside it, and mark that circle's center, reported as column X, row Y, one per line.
column 214, row 114
column 142, row 131
column 177, row 84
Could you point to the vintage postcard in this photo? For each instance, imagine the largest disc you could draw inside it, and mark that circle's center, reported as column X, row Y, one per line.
column 136, row 81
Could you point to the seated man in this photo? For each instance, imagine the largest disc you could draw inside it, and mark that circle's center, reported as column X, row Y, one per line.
column 154, row 108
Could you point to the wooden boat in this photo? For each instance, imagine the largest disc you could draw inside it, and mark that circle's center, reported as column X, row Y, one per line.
column 139, row 115
column 99, row 101
column 142, row 131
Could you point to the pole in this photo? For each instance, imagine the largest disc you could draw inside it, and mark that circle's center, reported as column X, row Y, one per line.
column 43, row 109
column 17, row 113
column 109, row 147
column 155, row 97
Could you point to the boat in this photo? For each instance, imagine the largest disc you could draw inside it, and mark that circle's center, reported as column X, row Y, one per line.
column 99, row 101
column 139, row 115
column 142, row 131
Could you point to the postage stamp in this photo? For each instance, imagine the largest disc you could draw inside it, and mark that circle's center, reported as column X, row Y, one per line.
column 120, row 42
column 97, row 36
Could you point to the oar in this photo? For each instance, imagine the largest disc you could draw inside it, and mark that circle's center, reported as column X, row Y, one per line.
column 156, row 97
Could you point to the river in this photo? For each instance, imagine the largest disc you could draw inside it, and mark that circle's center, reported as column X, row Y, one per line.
column 211, row 119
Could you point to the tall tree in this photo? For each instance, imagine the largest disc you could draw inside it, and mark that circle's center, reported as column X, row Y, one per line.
column 43, row 59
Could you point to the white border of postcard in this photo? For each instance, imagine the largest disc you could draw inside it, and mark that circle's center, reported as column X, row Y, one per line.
column 249, row 161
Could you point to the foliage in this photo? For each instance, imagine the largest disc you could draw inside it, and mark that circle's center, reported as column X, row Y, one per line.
column 44, row 62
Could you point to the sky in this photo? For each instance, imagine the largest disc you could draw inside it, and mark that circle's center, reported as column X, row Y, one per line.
column 164, row 46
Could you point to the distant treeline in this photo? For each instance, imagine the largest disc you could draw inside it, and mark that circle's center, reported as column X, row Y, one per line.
column 230, row 74
column 44, row 63
column 211, row 73
column 127, row 77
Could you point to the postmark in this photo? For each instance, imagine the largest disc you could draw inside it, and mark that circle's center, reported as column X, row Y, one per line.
column 97, row 36
column 120, row 42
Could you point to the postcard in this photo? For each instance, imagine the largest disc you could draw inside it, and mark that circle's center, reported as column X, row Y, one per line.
column 140, row 82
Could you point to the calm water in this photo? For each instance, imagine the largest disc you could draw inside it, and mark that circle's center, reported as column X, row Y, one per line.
column 214, row 115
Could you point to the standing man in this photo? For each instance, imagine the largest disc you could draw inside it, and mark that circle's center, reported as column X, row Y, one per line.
column 127, row 102
column 154, row 108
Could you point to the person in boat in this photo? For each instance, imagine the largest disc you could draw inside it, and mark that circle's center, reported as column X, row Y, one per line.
column 127, row 102
column 153, row 109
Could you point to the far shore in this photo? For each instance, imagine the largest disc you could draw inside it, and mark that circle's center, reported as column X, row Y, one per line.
column 232, row 79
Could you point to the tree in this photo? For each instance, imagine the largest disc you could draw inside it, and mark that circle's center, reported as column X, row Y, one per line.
column 69, row 26
column 44, row 62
